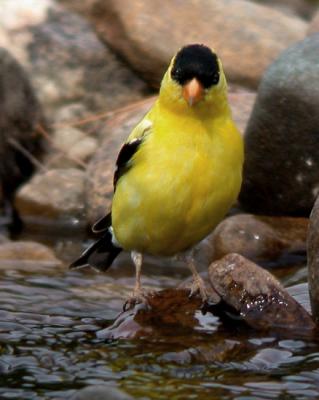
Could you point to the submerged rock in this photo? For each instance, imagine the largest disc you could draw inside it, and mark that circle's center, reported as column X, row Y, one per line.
column 248, row 38
column 259, row 237
column 281, row 170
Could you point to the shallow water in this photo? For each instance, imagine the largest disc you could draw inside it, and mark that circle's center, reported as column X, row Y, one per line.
column 49, row 347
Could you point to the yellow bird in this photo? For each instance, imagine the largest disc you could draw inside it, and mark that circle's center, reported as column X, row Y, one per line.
column 177, row 174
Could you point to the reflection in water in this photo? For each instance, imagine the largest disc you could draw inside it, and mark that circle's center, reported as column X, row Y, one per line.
column 49, row 347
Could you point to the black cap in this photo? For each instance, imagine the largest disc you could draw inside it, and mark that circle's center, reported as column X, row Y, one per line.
column 196, row 61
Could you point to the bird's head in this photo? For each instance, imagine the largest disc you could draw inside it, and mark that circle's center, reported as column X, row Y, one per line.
column 194, row 79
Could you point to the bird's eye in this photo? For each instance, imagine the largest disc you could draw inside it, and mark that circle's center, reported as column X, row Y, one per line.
column 215, row 79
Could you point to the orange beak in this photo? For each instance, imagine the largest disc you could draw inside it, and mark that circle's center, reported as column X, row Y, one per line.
column 193, row 91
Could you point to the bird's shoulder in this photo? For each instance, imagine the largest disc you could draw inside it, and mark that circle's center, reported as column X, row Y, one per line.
column 130, row 147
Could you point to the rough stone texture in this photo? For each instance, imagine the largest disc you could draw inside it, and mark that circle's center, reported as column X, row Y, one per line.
column 20, row 115
column 313, row 260
column 65, row 60
column 257, row 296
column 148, row 33
column 26, row 251
column 281, row 171
column 259, row 238
column 55, row 194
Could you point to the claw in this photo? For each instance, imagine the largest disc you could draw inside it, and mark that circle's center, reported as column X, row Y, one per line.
column 198, row 287
column 137, row 297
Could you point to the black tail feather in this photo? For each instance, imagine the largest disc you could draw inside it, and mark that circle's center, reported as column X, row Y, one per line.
column 99, row 255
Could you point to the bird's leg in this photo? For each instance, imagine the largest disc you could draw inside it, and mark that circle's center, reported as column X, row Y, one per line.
column 138, row 295
column 137, row 260
column 198, row 285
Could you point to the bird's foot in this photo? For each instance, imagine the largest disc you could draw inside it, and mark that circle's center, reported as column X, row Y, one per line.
column 198, row 287
column 139, row 296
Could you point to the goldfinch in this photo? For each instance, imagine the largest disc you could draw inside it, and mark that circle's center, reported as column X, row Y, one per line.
column 177, row 174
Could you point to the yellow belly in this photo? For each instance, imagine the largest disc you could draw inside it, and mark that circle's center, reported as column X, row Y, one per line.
column 177, row 191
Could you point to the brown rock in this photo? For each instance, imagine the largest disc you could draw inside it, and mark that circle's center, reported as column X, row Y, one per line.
column 257, row 296
column 54, row 195
column 241, row 103
column 165, row 309
column 26, row 251
column 259, row 237
column 148, row 33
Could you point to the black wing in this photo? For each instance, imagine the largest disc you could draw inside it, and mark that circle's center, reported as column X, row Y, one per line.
column 102, row 224
column 123, row 159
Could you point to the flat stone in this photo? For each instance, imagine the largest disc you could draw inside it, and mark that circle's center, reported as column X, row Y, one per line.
column 27, row 251
column 55, row 195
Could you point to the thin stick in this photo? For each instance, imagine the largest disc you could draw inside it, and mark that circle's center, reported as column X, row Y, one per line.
column 45, row 134
column 27, row 154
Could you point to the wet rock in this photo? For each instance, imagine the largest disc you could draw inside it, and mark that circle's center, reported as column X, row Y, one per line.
column 281, row 140
column 21, row 113
column 164, row 309
column 66, row 61
column 219, row 351
column 71, row 148
column 314, row 24
column 259, row 237
column 257, row 296
column 313, row 260
column 99, row 185
column 101, row 392
column 139, row 33
column 53, row 195
column 27, row 251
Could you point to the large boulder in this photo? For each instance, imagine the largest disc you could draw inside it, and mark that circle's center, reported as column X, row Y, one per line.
column 147, row 34
column 281, row 171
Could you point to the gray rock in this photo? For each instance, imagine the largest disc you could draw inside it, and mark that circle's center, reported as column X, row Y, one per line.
column 101, row 392
column 281, row 171
column 65, row 59
column 21, row 113
column 54, row 195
